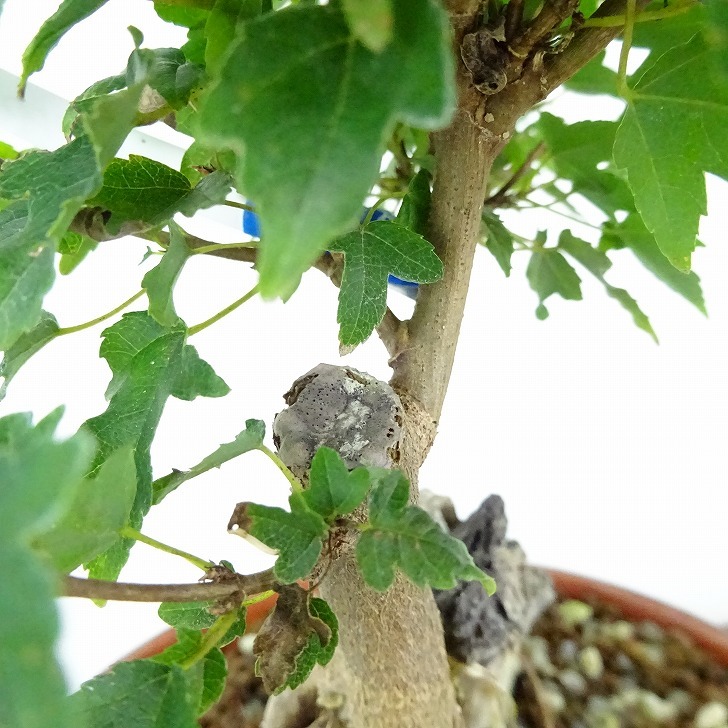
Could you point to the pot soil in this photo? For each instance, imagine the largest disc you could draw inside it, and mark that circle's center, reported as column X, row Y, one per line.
column 601, row 657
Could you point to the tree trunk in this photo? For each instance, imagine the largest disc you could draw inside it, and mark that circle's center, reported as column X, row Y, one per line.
column 390, row 669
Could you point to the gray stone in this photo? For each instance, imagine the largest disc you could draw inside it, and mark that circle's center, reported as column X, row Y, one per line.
column 477, row 627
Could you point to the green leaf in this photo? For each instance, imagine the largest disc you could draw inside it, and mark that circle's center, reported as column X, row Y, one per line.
column 143, row 694
column 717, row 36
column 38, row 478
column 92, row 522
column 196, row 378
column 143, row 189
column 214, row 674
column 50, row 187
column 597, row 263
column 68, row 14
column 159, row 282
column 197, row 616
column 171, row 75
column 371, row 22
column 307, row 184
column 578, row 153
column 668, row 33
column 25, row 346
column 251, row 438
column 391, row 494
column 189, row 15
column 334, row 491
column 401, row 536
column 549, row 273
column 139, row 188
column 320, row 609
column 74, row 247
column 297, row 535
column 222, row 26
column 498, row 240
column 149, row 363
column 372, row 252
column 673, row 131
column 206, row 677
column 633, row 234
column 198, row 159
column 415, row 209
column 31, row 683
column 631, row 306
column 187, row 615
column 86, row 100
column 7, row 152
column 594, row 78
column 300, row 632
column 111, row 118
column 211, row 190
column 26, row 275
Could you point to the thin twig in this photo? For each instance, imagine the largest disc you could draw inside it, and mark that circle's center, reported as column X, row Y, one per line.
column 514, row 18
column 585, row 45
column 238, row 587
column 499, row 198
column 550, row 17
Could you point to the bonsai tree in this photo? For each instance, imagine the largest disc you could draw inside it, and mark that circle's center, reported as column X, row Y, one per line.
column 376, row 141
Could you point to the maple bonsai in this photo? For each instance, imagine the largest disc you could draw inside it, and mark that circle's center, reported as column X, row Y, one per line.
column 312, row 111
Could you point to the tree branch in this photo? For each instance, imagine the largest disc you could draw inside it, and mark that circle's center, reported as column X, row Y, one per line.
column 92, row 223
column 235, row 587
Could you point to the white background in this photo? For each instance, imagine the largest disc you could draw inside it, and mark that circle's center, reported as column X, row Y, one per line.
column 610, row 451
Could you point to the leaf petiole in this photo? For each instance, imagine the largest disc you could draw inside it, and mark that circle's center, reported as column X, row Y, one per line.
column 225, row 311
column 129, row 532
column 629, row 19
column 100, row 319
column 258, row 598
column 296, row 486
column 211, row 639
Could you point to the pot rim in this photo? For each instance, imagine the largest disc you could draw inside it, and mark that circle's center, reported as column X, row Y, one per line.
column 634, row 606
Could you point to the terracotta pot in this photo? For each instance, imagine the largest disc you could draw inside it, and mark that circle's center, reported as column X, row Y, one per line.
column 633, row 606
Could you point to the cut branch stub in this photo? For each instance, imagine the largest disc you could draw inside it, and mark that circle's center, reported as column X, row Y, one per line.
column 346, row 410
